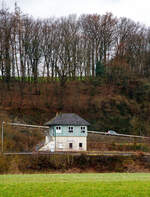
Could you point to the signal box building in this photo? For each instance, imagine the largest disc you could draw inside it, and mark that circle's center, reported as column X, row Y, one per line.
column 67, row 132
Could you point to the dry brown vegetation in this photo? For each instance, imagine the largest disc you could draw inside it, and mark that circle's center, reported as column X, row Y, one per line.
column 122, row 106
column 72, row 164
column 105, row 105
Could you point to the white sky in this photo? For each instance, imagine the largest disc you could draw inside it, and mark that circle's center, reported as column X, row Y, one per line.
column 137, row 10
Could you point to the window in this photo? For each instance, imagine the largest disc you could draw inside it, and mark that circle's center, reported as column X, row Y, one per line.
column 60, row 145
column 70, row 145
column 71, row 129
column 80, row 145
column 58, row 129
column 82, row 129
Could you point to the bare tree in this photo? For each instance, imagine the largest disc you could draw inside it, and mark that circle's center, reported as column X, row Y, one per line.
column 49, row 33
column 33, row 47
column 6, row 27
column 66, row 48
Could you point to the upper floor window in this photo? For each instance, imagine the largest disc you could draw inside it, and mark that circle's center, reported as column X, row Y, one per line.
column 58, row 129
column 71, row 129
column 82, row 129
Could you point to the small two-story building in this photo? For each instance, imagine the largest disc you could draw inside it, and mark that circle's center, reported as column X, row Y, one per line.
column 67, row 132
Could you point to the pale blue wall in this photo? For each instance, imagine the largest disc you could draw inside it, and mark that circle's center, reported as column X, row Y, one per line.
column 65, row 131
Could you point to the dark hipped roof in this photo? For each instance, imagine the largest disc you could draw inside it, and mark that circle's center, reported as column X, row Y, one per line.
column 67, row 119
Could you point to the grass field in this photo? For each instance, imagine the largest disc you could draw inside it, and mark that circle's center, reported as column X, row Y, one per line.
column 76, row 185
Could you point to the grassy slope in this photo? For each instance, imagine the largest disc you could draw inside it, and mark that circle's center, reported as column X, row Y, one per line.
column 75, row 185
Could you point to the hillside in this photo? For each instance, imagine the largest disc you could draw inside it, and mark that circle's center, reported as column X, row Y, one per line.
column 122, row 105
column 94, row 65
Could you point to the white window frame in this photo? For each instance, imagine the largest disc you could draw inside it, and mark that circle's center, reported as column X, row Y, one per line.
column 58, row 129
column 71, row 129
column 83, row 129
column 60, row 146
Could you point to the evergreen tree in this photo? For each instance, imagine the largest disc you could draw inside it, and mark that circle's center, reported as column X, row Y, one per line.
column 100, row 70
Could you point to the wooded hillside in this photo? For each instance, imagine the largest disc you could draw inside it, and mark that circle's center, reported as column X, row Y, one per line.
column 122, row 105
column 95, row 65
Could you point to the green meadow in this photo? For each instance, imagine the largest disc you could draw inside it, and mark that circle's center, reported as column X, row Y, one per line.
column 75, row 185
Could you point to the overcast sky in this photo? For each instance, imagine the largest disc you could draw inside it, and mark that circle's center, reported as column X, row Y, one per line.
column 138, row 10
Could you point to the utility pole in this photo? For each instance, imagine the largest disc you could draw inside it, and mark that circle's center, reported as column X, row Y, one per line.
column 2, row 137
column 55, row 140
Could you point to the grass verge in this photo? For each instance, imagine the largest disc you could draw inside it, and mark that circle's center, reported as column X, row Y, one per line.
column 75, row 185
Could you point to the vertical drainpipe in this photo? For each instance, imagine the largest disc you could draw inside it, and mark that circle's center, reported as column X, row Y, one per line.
column 55, row 131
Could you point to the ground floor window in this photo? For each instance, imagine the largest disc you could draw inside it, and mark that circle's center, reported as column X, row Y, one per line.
column 60, row 145
column 70, row 145
column 80, row 145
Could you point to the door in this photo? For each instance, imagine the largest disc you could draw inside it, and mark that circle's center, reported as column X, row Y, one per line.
column 70, row 145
